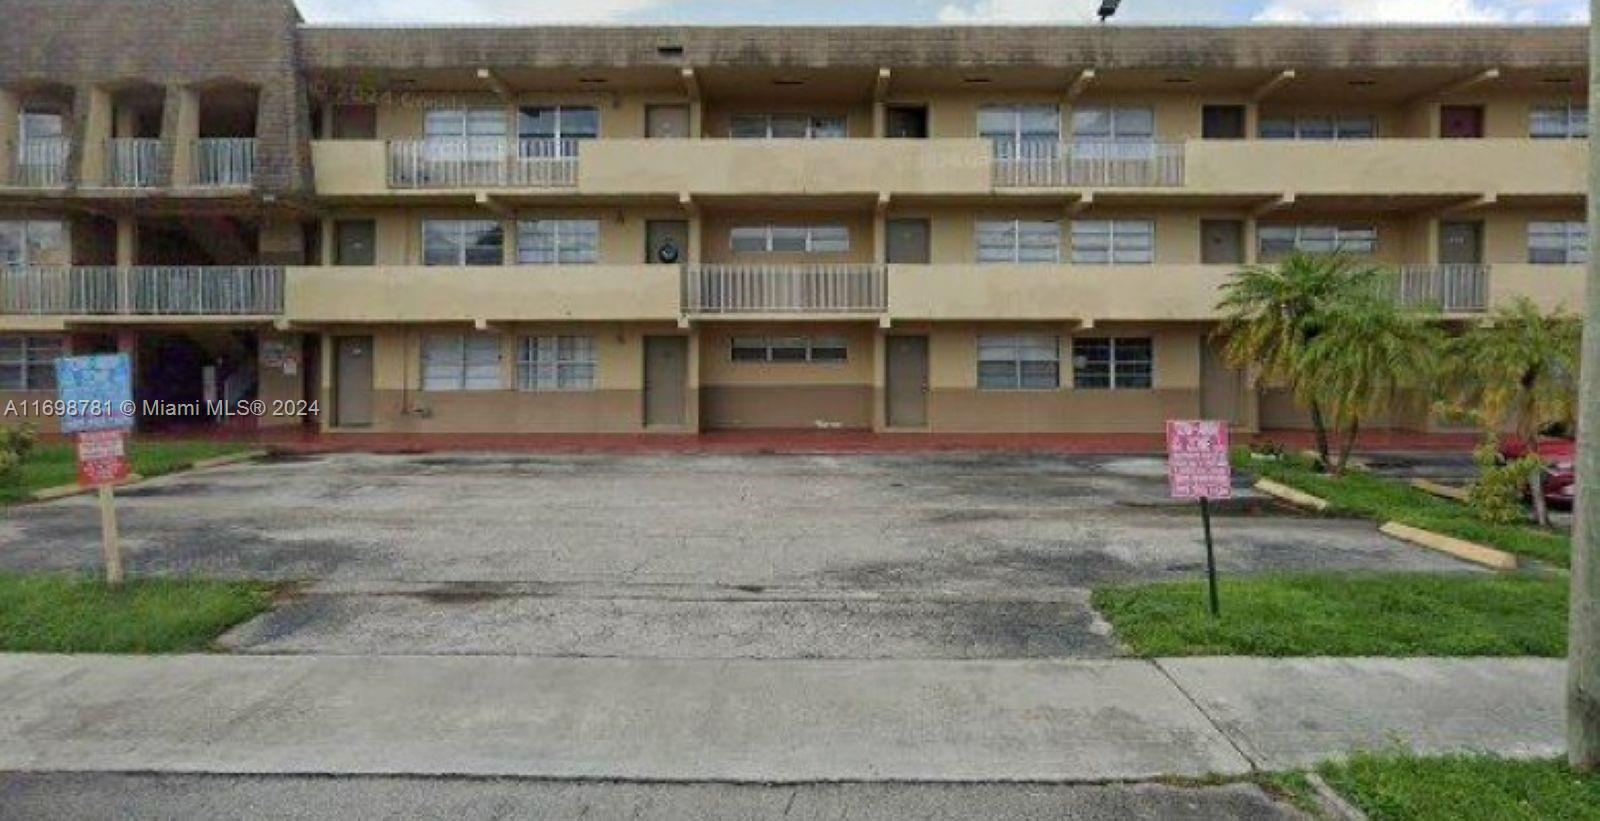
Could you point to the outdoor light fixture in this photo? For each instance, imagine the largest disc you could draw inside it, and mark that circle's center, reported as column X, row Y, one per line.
column 1108, row 8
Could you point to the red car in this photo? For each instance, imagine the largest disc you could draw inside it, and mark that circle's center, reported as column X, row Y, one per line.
column 1561, row 472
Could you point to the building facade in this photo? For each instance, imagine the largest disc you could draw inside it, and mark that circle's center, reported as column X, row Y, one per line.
column 595, row 229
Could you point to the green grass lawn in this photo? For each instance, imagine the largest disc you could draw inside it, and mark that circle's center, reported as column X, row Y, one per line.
column 53, row 464
column 74, row 614
column 1394, row 787
column 1344, row 615
column 1385, row 500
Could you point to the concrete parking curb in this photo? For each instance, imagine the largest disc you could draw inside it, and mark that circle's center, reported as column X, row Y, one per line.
column 51, row 494
column 1288, row 494
column 1459, row 548
column 1332, row 804
column 1454, row 494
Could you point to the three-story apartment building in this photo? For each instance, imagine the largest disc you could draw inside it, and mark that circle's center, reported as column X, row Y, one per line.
column 595, row 229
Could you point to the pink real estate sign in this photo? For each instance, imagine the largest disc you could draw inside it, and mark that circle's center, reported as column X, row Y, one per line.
column 1197, row 460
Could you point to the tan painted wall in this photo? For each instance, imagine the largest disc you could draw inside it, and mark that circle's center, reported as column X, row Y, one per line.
column 534, row 292
column 616, row 404
column 399, row 229
column 786, row 394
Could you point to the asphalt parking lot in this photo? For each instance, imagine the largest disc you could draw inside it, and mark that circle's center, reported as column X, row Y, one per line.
column 688, row 557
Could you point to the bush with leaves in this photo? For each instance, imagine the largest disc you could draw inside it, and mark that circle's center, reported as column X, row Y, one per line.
column 15, row 445
column 1497, row 495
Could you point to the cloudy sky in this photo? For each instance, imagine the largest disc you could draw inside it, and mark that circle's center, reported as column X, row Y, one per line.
column 938, row 11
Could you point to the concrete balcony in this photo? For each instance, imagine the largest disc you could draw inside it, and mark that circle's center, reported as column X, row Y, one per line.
column 1448, row 288
column 713, row 167
column 1549, row 286
column 1388, row 167
column 487, row 294
column 151, row 291
column 756, row 167
column 785, row 290
column 662, row 167
column 1055, row 292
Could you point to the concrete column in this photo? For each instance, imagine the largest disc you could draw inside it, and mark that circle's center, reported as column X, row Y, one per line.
column 696, row 119
column 692, row 391
column 95, row 168
column 1251, row 246
column 695, row 240
column 10, row 125
column 880, row 380
column 880, row 120
column 328, row 237
column 880, row 237
column 180, row 128
column 325, row 379
column 127, row 241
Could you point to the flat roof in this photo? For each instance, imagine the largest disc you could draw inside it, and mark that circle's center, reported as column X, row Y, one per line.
column 380, row 47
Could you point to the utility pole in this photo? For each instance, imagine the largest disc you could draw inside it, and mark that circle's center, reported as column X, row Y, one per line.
column 1583, row 654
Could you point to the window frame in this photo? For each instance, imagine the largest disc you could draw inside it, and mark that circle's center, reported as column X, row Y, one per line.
column 770, row 230
column 1297, row 124
column 462, row 379
column 30, row 347
column 1113, row 116
column 1014, row 229
column 808, row 345
column 1573, row 126
column 25, row 231
column 561, row 229
column 1018, row 380
column 1337, row 232
column 461, row 245
column 1008, row 144
column 1574, row 248
column 568, row 352
column 1114, row 363
column 1115, row 228
column 817, row 126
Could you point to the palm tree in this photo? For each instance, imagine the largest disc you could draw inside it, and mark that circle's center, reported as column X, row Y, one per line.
column 1273, row 312
column 1519, row 369
column 1368, row 353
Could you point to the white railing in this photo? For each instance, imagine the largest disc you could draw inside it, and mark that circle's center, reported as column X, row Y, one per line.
column 42, row 162
column 189, row 290
column 483, row 162
column 1053, row 164
column 1452, row 288
column 135, row 162
column 785, row 289
column 225, row 162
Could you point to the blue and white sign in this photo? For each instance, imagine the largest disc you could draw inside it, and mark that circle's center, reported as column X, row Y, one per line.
column 96, row 393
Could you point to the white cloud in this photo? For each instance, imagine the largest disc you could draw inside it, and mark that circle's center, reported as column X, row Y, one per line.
column 1423, row 11
column 1017, row 11
column 472, row 11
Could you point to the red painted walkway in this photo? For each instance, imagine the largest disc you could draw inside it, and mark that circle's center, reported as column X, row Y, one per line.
column 787, row 442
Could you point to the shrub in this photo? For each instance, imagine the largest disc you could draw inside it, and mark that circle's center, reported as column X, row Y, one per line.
column 1497, row 495
column 15, row 445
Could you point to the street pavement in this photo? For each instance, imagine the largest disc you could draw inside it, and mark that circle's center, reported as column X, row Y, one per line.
column 791, row 721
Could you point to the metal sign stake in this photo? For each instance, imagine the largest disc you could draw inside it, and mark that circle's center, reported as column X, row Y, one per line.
column 1211, row 557
column 109, row 539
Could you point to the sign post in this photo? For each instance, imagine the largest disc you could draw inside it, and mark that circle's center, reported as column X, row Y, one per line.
column 1198, row 468
column 96, row 394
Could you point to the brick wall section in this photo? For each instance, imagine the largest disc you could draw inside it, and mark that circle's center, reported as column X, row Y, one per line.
column 1117, row 46
column 170, row 43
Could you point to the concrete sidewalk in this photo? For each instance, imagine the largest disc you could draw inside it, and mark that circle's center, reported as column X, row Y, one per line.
column 757, row 721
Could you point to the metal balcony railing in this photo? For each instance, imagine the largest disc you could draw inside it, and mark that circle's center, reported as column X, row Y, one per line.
column 41, row 162
column 785, row 289
column 483, row 162
column 189, row 290
column 1452, row 288
column 1054, row 164
column 135, row 162
column 225, row 162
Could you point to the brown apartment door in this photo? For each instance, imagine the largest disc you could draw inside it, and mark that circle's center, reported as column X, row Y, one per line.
column 1461, row 243
column 666, row 122
column 352, row 381
column 1461, row 121
column 666, row 242
column 1221, row 242
column 907, row 378
column 1222, row 122
column 909, row 242
column 666, row 378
